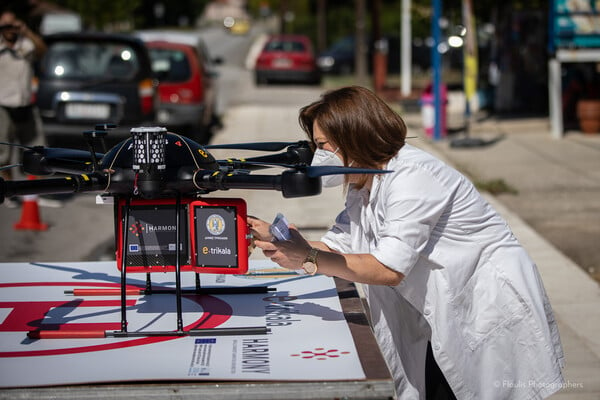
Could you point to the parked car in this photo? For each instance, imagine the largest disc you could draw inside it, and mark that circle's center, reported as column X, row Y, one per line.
column 187, row 83
column 339, row 58
column 287, row 58
column 89, row 78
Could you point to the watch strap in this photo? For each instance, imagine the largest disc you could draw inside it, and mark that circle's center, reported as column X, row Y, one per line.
column 312, row 258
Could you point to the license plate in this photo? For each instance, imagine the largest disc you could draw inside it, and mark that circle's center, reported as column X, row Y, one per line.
column 282, row 63
column 87, row 111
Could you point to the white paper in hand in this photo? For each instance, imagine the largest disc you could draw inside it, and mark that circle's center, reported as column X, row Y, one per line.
column 279, row 228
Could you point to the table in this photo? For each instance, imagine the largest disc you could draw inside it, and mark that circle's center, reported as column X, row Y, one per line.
column 377, row 384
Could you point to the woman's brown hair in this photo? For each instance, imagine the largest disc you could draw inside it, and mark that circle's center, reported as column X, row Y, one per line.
column 366, row 130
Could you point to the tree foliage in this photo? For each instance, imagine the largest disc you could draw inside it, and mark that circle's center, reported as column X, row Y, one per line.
column 98, row 14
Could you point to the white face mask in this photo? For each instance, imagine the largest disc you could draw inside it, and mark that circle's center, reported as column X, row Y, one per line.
column 323, row 158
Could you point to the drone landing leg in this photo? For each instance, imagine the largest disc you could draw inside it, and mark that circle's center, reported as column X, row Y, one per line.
column 178, row 263
column 124, row 269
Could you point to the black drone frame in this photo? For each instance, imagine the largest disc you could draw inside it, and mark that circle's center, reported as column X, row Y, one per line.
column 156, row 164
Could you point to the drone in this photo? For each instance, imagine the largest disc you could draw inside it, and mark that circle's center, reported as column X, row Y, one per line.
column 156, row 181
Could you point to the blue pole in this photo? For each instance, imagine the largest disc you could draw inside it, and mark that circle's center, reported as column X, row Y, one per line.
column 436, row 64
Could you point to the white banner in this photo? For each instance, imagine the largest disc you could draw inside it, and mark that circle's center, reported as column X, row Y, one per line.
column 308, row 338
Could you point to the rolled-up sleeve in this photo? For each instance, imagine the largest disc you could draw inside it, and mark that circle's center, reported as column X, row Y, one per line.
column 338, row 237
column 412, row 202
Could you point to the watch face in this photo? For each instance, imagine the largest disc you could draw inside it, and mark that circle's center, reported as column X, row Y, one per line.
column 309, row 267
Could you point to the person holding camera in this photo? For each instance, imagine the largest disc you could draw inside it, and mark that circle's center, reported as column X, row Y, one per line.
column 20, row 47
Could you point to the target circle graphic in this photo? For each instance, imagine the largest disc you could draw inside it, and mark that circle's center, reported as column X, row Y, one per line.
column 214, row 313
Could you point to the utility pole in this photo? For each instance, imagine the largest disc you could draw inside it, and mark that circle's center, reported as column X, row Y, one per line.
column 406, row 49
column 380, row 50
column 283, row 16
column 360, row 56
column 436, row 63
column 321, row 25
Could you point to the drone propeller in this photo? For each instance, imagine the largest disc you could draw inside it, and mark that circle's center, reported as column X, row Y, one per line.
column 40, row 160
column 16, row 145
column 310, row 171
column 62, row 153
column 317, row 171
column 260, row 146
column 5, row 167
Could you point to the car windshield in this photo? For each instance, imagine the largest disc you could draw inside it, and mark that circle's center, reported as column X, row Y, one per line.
column 85, row 60
column 284, row 45
column 170, row 65
column 344, row 45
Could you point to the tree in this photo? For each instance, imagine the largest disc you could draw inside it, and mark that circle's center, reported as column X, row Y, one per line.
column 100, row 15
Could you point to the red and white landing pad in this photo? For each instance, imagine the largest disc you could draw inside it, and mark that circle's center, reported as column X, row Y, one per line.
column 308, row 337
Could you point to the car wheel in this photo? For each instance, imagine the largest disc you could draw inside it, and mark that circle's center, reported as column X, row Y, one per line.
column 260, row 79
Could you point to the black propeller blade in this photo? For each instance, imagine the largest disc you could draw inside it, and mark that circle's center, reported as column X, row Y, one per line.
column 16, row 145
column 316, row 171
column 48, row 160
column 58, row 152
column 311, row 171
column 260, row 146
column 6, row 167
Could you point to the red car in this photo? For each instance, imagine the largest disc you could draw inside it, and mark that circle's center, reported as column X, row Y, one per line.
column 287, row 58
column 187, row 83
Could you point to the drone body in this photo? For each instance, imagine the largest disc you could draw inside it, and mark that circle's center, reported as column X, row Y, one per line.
column 162, row 222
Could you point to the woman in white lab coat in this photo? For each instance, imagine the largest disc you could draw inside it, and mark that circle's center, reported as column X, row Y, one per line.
column 457, row 305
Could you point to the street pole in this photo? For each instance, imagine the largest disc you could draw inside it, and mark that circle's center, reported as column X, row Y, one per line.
column 380, row 50
column 321, row 25
column 406, row 49
column 436, row 63
column 360, row 60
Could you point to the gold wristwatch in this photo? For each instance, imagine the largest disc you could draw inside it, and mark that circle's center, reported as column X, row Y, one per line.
column 310, row 262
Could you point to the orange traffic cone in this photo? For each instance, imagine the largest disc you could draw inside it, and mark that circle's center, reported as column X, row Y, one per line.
column 30, row 214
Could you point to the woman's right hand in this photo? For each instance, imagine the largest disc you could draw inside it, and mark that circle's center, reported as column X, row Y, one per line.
column 259, row 229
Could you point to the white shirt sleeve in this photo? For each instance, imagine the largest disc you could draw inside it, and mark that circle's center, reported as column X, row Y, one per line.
column 338, row 237
column 412, row 202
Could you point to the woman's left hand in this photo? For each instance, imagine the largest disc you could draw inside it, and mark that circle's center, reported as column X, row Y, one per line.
column 288, row 254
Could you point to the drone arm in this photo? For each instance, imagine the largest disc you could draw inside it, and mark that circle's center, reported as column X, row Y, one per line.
column 221, row 180
column 43, row 161
column 67, row 184
column 291, row 183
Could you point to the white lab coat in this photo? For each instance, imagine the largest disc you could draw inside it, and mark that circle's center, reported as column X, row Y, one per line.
column 469, row 287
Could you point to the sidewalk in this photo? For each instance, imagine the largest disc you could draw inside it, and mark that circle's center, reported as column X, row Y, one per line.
column 541, row 168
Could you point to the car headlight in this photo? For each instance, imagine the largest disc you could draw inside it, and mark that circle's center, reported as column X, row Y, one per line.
column 325, row 62
column 163, row 116
column 228, row 22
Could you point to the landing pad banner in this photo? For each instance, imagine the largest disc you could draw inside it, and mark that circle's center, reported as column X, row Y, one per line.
column 308, row 338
